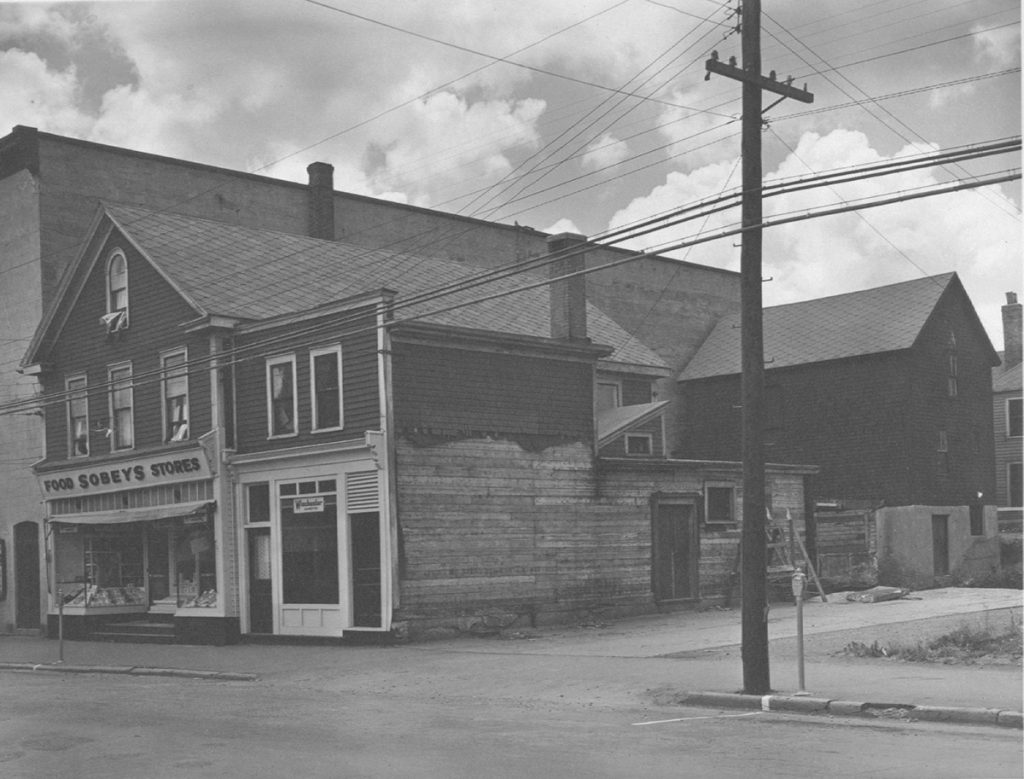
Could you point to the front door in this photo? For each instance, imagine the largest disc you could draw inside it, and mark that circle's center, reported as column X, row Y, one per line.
column 261, row 592
column 158, row 563
column 676, row 550
column 26, row 575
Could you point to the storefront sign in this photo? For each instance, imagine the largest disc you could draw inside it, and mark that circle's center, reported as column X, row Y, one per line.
column 308, row 505
column 190, row 465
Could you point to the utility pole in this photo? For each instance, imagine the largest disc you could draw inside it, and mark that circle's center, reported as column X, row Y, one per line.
column 753, row 542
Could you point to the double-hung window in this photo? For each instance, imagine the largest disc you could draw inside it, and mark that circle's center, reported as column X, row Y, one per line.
column 78, row 416
column 1014, row 420
column 325, row 388
column 122, row 426
column 174, row 366
column 282, row 402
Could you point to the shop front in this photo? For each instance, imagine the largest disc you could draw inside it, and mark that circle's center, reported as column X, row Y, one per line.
column 316, row 546
column 135, row 546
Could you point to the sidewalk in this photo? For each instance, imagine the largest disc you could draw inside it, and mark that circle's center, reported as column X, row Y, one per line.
column 667, row 653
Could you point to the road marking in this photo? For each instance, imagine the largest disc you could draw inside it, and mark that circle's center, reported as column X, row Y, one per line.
column 687, row 719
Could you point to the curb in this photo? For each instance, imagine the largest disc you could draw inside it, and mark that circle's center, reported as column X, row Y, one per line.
column 131, row 670
column 806, row 704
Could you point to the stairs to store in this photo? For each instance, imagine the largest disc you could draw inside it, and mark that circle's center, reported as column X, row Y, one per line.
column 151, row 629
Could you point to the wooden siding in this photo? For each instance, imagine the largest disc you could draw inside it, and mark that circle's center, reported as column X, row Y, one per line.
column 156, row 313
column 654, row 428
column 871, row 423
column 360, row 392
column 451, row 391
column 492, row 533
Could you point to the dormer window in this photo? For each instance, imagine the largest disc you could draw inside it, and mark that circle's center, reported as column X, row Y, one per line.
column 116, row 317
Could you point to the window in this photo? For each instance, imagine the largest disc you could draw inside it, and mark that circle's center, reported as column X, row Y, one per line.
column 282, row 404
column 977, row 518
column 1014, row 487
column 719, row 505
column 175, row 387
column 639, row 444
column 951, row 367
column 117, row 293
column 258, row 503
column 1013, row 417
column 122, row 433
column 78, row 417
column 609, row 395
column 309, row 543
column 325, row 388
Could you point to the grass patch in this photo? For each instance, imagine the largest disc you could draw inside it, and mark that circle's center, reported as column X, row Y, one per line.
column 964, row 645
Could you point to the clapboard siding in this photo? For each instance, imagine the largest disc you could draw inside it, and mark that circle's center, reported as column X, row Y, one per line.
column 490, row 530
column 360, row 387
column 451, row 391
column 156, row 313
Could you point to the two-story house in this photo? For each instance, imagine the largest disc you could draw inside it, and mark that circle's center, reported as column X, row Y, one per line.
column 1007, row 419
column 889, row 391
column 253, row 432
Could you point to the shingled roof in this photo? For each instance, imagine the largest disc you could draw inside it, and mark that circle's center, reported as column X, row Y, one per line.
column 871, row 321
column 252, row 274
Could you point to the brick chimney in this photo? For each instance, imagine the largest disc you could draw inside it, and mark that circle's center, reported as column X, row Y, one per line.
column 1011, row 331
column 321, row 200
column 568, row 296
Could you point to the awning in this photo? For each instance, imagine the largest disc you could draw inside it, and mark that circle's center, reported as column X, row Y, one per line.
column 148, row 514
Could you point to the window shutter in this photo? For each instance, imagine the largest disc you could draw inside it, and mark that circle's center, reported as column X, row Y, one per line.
column 361, row 493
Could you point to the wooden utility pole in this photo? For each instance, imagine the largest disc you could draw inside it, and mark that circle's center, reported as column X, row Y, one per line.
column 753, row 544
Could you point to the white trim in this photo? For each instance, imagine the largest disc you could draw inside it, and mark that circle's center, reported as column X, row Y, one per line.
column 313, row 354
column 271, row 362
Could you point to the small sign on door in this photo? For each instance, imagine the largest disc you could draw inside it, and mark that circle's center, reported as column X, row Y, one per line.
column 312, row 505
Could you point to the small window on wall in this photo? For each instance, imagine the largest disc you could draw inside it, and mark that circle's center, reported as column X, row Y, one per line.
column 257, row 503
column 117, row 293
column 639, row 445
column 1015, row 487
column 1013, row 417
column 78, row 417
column 325, row 388
column 952, row 370
column 122, row 422
column 175, row 388
column 719, row 505
column 282, row 403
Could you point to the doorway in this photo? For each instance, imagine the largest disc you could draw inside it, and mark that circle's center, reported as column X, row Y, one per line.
column 676, row 549
column 27, row 614
column 261, row 591
column 940, row 544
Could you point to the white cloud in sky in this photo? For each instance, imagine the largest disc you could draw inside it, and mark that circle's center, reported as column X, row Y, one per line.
column 961, row 232
column 562, row 226
column 1000, row 46
column 604, row 152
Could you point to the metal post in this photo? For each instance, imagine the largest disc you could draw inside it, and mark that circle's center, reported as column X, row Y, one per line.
column 799, row 582
column 60, row 625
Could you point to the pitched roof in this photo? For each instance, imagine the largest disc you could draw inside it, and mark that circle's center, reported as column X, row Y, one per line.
column 870, row 321
column 1007, row 378
column 614, row 421
column 246, row 273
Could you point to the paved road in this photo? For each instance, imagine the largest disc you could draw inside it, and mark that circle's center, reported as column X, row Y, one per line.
column 407, row 713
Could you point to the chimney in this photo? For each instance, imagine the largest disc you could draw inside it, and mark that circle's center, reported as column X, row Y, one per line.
column 1011, row 331
column 568, row 296
column 321, row 200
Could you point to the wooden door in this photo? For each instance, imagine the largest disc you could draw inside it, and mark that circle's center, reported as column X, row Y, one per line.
column 261, row 593
column 26, row 576
column 676, row 550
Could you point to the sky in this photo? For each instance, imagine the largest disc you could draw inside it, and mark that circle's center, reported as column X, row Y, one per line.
column 581, row 115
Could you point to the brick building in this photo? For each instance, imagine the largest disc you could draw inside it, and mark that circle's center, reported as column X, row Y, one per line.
column 889, row 391
column 253, row 432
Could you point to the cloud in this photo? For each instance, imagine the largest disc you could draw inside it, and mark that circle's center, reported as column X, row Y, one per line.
column 1000, row 47
column 562, row 226
column 604, row 152
column 975, row 233
column 34, row 95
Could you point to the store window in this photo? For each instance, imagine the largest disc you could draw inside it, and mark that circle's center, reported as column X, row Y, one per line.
column 282, row 405
column 100, row 569
column 325, row 387
column 117, row 293
column 174, row 367
column 195, row 565
column 122, row 423
column 78, row 416
column 309, row 542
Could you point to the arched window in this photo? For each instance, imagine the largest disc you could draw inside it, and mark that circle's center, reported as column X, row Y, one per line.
column 117, row 292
